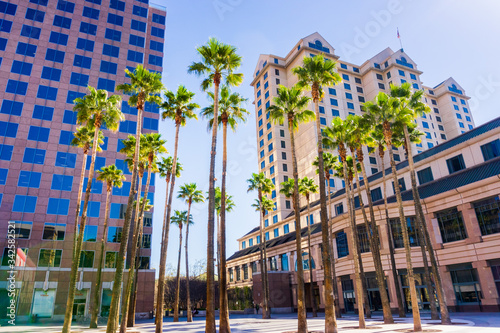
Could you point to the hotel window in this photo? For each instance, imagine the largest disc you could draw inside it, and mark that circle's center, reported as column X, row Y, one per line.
column 343, row 66
column 49, row 258
column 8, row 129
column 402, row 185
column 401, row 72
column 339, row 208
column 283, row 144
column 266, row 236
column 35, row 15
column 24, row 204
column 287, row 205
column 433, row 101
column 66, row 6
column 238, row 275
column 461, row 125
column 86, row 259
column 114, row 234
column 451, row 225
column 335, row 113
column 63, row 22
column 453, row 98
column 348, row 95
column 455, row 164
column 381, row 86
column 265, row 76
column 16, row 87
column 22, row 229
column 466, row 110
column 20, row 67
column 54, row 231
column 359, row 90
column 388, row 75
column 436, row 110
column 58, row 206
column 488, row 215
column 397, row 233
column 345, row 77
column 283, row 155
column 332, row 91
column 440, row 127
column 415, row 85
column 491, row 150
column 322, row 121
column 376, row 194
column 29, row 179
column 465, row 283
column 425, row 176
column 276, row 232
column 90, row 13
column 85, row 44
column 443, row 136
column 364, row 244
column 379, row 77
column 118, row 5
column 231, row 275
column 245, row 272
column 285, row 168
column 342, row 246
column 347, row 86
column 350, row 105
column 29, row 50
column 146, row 241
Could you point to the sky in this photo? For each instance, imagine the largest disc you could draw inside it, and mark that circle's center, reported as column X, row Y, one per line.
column 446, row 38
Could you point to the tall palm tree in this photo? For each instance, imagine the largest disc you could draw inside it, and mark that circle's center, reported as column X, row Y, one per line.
column 378, row 143
column 290, row 106
column 219, row 62
column 384, row 112
column 190, row 194
column 151, row 145
column 359, row 137
column 94, row 110
column 337, row 135
column 329, row 161
column 144, row 86
column 306, row 188
column 178, row 106
column 230, row 113
column 263, row 186
column 315, row 73
column 179, row 218
column 412, row 102
column 112, row 177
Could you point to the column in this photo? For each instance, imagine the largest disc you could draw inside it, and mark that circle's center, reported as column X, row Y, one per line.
column 471, row 223
column 490, row 301
column 278, row 263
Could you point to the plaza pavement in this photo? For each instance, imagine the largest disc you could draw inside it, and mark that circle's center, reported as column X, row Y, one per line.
column 463, row 322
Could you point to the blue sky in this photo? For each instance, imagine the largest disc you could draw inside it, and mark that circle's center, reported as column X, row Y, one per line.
column 445, row 38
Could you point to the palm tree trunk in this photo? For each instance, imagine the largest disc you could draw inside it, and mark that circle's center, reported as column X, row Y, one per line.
column 120, row 262
column 136, row 242
column 97, row 287
column 262, row 263
column 210, row 318
column 417, row 325
column 313, row 303
column 68, row 316
column 178, row 277
column 136, row 256
column 267, row 313
column 330, row 320
column 79, row 199
column 223, row 306
column 355, row 254
column 334, row 275
column 374, row 241
column 443, row 307
column 188, row 300
column 301, row 299
column 397, row 281
column 164, row 243
column 160, row 292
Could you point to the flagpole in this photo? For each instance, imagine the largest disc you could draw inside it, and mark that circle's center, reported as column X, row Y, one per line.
column 400, row 41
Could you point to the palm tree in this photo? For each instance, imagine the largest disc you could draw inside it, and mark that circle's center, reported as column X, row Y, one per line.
column 291, row 106
column 230, row 113
column 144, row 87
column 333, row 136
column 112, row 177
column 179, row 218
column 179, row 107
column 191, row 194
column 384, row 112
column 151, row 145
column 328, row 162
column 316, row 73
column 263, row 186
column 219, row 61
column 306, row 188
column 94, row 110
column 412, row 102
column 378, row 142
column 359, row 137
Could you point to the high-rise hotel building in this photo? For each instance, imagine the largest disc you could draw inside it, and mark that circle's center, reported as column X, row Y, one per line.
column 50, row 51
column 457, row 166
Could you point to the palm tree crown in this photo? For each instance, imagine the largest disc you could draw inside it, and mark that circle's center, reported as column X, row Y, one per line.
column 165, row 167
column 180, row 217
column 290, row 106
column 144, row 86
column 97, row 108
column 260, row 183
column 84, row 137
column 112, row 176
column 190, row 193
column 307, row 187
column 230, row 110
column 179, row 106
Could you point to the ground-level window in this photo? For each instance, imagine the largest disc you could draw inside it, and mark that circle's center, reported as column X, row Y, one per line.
column 348, row 294
column 465, row 283
column 43, row 302
column 451, row 225
column 397, row 234
column 106, row 302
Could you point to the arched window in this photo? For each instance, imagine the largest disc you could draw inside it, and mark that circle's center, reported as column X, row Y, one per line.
column 305, row 261
column 318, row 43
column 403, row 59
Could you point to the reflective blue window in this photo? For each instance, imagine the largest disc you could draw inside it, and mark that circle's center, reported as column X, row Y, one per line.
column 30, row 32
column 65, row 160
column 58, row 206
column 61, row 21
column 27, row 49
column 91, row 13
column 322, row 121
column 156, row 46
column 82, row 61
column 136, row 40
column 128, row 126
column 69, row 117
column 110, row 50
column 138, row 25
column 65, row 138
column 39, row 134
column 93, row 208
column 43, row 112
column 5, row 25
column 40, row 2
column 350, row 106
column 113, row 34
column 35, row 156
column 106, row 84
column 348, row 95
column 6, row 152
column 3, row 176
column 108, row 67
column 97, row 2
column 85, row 44
column 124, row 191
column 140, row 11
column 55, row 55
column 8, row 129
column 158, row 61
column 24, row 204
column 135, row 56
column 66, row 6
column 95, row 187
column 46, row 92
column 150, row 123
column 158, row 19
column 99, row 162
column 123, row 166
column 151, row 107
column 72, row 95
column 29, row 179
column 334, row 102
column 3, row 44
column 8, row 8
column 16, row 87
column 35, row 15
column 61, row 182
column 115, row 19
column 157, row 32
column 50, row 73
column 88, row 28
column 20, row 67
column 118, row 5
